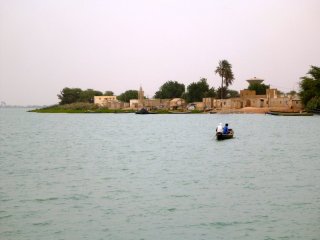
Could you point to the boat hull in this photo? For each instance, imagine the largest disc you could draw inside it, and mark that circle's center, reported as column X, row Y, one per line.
column 290, row 113
column 144, row 111
column 221, row 136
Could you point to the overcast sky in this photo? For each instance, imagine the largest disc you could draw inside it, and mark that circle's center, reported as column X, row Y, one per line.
column 117, row 45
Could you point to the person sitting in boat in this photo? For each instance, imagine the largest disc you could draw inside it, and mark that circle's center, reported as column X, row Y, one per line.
column 219, row 128
column 226, row 129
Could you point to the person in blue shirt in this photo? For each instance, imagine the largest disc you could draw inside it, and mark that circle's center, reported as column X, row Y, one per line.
column 225, row 129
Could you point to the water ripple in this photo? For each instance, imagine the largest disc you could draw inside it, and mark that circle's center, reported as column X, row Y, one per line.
column 112, row 176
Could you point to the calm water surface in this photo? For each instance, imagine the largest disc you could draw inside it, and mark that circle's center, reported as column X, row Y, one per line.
column 127, row 176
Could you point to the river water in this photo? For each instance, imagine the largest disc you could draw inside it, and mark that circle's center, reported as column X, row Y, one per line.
column 127, row 176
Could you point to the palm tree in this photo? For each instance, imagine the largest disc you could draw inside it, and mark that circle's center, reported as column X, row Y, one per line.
column 225, row 72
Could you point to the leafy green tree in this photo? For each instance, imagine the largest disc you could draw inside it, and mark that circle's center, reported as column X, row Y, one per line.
column 260, row 88
column 170, row 89
column 224, row 70
column 314, row 103
column 279, row 93
column 88, row 95
column 232, row 93
column 222, row 92
column 69, row 95
column 211, row 93
column 310, row 88
column 128, row 95
column 227, row 93
column 73, row 95
column 292, row 93
column 197, row 90
column 108, row 93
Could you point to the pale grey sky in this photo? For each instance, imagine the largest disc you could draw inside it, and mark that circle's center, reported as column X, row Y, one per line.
column 46, row 45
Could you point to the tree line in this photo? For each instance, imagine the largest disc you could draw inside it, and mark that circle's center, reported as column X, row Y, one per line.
column 171, row 89
column 72, row 95
column 194, row 92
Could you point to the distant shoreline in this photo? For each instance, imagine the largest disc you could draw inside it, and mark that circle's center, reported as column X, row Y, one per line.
column 18, row 106
column 93, row 108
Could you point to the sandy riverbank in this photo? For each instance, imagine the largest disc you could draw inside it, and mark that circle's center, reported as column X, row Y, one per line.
column 244, row 110
column 255, row 110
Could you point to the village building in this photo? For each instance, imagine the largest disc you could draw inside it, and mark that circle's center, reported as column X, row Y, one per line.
column 272, row 100
column 134, row 104
column 110, row 102
column 101, row 100
column 150, row 104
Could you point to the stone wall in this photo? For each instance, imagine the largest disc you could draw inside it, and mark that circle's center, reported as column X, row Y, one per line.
column 155, row 103
column 247, row 93
column 255, row 101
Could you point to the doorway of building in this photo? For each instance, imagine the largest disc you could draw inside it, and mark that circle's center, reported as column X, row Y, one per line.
column 261, row 102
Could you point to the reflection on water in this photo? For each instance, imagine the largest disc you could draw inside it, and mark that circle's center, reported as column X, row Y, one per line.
column 127, row 176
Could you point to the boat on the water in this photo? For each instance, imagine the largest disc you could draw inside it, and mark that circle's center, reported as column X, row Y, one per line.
column 221, row 136
column 289, row 113
column 144, row 111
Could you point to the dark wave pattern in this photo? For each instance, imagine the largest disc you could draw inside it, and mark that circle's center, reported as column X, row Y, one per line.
column 126, row 176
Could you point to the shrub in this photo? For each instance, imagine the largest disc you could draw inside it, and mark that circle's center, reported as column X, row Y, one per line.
column 314, row 103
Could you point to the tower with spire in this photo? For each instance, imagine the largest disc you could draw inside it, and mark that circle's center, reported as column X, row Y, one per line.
column 141, row 97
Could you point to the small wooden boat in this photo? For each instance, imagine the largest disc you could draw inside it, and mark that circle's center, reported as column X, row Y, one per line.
column 221, row 136
column 290, row 113
column 144, row 111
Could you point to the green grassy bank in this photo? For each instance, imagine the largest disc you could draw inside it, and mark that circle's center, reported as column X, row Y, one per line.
column 93, row 108
column 79, row 108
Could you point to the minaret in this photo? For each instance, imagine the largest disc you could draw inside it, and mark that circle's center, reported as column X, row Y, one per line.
column 141, row 97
